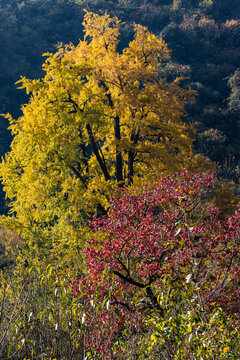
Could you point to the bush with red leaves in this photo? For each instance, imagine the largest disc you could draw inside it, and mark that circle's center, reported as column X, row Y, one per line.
column 169, row 230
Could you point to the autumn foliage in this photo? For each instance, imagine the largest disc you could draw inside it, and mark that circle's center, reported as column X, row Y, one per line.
column 97, row 119
column 155, row 273
column 167, row 234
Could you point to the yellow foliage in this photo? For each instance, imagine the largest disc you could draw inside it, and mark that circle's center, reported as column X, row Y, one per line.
column 98, row 119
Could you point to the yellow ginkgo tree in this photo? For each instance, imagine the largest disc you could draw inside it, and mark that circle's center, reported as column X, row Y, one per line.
column 98, row 119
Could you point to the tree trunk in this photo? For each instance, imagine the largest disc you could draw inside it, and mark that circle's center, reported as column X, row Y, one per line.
column 119, row 161
column 96, row 152
column 117, row 133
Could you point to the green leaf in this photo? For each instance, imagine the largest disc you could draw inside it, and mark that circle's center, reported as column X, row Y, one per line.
column 182, row 242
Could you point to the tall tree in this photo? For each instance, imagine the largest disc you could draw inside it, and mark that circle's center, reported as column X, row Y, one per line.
column 98, row 119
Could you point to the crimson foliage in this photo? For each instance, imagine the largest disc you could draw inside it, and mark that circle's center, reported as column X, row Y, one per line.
column 169, row 230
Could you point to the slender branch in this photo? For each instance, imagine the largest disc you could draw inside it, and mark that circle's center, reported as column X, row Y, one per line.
column 149, row 291
column 129, row 280
column 131, row 156
column 79, row 175
column 122, row 264
column 70, row 100
column 122, row 304
column 101, row 153
column 97, row 154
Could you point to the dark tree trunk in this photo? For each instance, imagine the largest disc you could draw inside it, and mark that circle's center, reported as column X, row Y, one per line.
column 97, row 154
column 117, row 133
column 131, row 154
column 119, row 161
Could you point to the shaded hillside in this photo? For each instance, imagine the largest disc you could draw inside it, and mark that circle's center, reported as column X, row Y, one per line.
column 27, row 30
